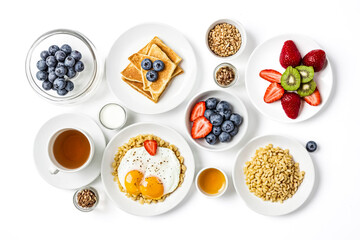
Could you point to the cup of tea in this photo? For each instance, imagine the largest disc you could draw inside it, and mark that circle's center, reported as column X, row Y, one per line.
column 70, row 150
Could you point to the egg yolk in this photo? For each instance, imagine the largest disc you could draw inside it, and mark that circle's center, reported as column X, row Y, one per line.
column 152, row 188
column 132, row 182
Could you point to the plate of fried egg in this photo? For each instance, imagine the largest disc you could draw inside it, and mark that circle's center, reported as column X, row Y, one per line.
column 147, row 169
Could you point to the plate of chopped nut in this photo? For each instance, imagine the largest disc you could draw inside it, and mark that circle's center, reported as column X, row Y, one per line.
column 274, row 175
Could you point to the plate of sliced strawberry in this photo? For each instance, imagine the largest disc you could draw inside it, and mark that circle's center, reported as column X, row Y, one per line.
column 289, row 78
column 216, row 120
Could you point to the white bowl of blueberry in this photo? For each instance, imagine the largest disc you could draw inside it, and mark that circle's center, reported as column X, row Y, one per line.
column 62, row 66
column 216, row 120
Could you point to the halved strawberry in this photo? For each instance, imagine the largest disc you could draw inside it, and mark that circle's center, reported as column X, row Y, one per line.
column 271, row 75
column 314, row 99
column 198, row 111
column 273, row 93
column 151, row 147
column 201, row 127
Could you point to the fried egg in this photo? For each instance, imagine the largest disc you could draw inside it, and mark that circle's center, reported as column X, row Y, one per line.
column 152, row 176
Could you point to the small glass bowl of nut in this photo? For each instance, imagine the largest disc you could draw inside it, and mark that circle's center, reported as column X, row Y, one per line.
column 225, row 75
column 226, row 38
column 86, row 199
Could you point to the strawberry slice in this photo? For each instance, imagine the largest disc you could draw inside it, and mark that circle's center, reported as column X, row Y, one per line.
column 271, row 75
column 198, row 111
column 314, row 99
column 273, row 93
column 151, row 147
column 201, row 127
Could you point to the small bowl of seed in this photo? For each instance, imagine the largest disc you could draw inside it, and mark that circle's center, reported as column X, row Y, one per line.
column 226, row 38
column 225, row 75
column 86, row 199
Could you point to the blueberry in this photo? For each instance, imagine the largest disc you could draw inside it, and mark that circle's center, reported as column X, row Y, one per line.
column 60, row 64
column 311, row 146
column 226, row 114
column 227, row 126
column 224, row 137
column 60, row 71
column 158, row 65
column 146, row 64
column 44, row 55
column 223, row 106
column 235, row 131
column 76, row 55
column 53, row 49
column 79, row 66
column 41, row 75
column 41, row 65
column 208, row 113
column 216, row 119
column 47, row 85
column 211, row 103
column 69, row 86
column 59, row 83
column 151, row 76
column 52, row 76
column 211, row 139
column 236, row 119
column 50, row 69
column 51, row 61
column 70, row 72
column 216, row 130
column 69, row 61
column 66, row 49
column 60, row 56
column 62, row 92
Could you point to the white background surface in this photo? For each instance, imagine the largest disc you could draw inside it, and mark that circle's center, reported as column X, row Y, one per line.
column 33, row 208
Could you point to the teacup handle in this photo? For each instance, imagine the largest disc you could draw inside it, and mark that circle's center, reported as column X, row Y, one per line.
column 53, row 170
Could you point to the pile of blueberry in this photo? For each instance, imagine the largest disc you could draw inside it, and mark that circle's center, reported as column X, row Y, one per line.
column 225, row 123
column 57, row 66
column 152, row 75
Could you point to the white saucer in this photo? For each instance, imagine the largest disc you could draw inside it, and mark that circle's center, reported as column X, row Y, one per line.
column 42, row 162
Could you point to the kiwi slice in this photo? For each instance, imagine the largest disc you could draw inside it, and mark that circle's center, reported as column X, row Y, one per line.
column 306, row 72
column 290, row 79
column 307, row 89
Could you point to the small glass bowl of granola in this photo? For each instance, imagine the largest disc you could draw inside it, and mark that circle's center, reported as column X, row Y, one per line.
column 225, row 75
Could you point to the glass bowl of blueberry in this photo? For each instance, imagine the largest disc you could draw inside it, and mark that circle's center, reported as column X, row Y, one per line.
column 63, row 66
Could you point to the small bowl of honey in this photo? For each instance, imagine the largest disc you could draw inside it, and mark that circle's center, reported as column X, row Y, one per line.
column 211, row 182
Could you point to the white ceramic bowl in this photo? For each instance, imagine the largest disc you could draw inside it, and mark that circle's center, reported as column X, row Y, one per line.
column 242, row 31
column 211, row 195
column 237, row 106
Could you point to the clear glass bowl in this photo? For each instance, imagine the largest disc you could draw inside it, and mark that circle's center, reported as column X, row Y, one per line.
column 226, row 65
column 85, row 82
column 76, row 204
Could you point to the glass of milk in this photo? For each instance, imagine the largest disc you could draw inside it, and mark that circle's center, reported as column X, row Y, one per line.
column 112, row 116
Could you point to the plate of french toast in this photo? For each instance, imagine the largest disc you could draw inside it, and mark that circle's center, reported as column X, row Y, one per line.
column 151, row 68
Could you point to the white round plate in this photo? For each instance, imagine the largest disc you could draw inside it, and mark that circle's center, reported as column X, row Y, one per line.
column 62, row 179
column 266, row 56
column 299, row 154
column 131, row 42
column 112, row 188
column 238, row 107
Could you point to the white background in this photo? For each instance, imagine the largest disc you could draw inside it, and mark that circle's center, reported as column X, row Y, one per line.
column 32, row 208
